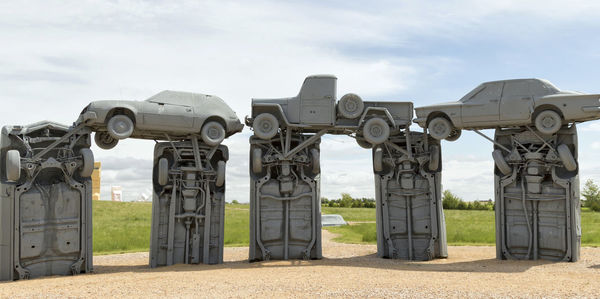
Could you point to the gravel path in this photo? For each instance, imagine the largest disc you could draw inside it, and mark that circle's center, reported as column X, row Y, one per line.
column 346, row 271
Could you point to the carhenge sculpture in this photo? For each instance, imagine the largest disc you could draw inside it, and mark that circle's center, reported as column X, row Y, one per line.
column 45, row 201
column 285, row 210
column 536, row 174
column 188, row 202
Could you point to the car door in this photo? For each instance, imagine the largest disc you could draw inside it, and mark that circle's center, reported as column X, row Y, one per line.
column 167, row 117
column 517, row 101
column 482, row 108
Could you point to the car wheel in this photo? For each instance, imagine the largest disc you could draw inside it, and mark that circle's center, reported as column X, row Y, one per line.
column 378, row 160
column 350, row 106
column 13, row 165
column 88, row 163
column 548, row 122
column 434, row 158
column 454, row 135
column 105, row 141
column 566, row 157
column 501, row 162
column 212, row 133
column 364, row 144
column 120, row 126
column 265, row 126
column 316, row 161
column 440, row 128
column 376, row 131
column 257, row 160
column 163, row 171
column 220, row 181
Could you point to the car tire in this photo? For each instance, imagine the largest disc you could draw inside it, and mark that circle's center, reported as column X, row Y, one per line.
column 350, row 106
column 548, row 122
column 220, row 181
column 434, row 158
column 501, row 163
column 315, row 160
column 454, row 135
column 163, row 171
column 439, row 128
column 87, row 167
column 257, row 161
column 120, row 126
column 364, row 144
column 212, row 133
column 13, row 165
column 378, row 160
column 566, row 157
column 105, row 141
column 265, row 126
column 376, row 131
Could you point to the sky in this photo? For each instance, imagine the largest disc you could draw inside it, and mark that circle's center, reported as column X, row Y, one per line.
column 57, row 56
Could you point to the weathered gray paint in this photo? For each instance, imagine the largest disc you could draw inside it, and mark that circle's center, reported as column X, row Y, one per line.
column 181, row 207
column 537, row 204
column 509, row 103
column 46, row 215
column 410, row 217
column 178, row 114
column 285, row 202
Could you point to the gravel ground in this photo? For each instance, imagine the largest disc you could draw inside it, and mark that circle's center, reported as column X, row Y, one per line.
column 346, row 271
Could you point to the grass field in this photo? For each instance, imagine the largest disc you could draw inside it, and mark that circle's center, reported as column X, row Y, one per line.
column 125, row 227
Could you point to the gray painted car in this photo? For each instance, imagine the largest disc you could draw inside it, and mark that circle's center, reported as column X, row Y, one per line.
column 314, row 109
column 166, row 115
column 507, row 103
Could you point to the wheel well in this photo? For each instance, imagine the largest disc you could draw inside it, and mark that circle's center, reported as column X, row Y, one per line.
column 217, row 119
column 120, row 111
column 544, row 108
column 437, row 114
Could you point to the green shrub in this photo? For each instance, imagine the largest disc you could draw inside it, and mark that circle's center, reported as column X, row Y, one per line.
column 591, row 192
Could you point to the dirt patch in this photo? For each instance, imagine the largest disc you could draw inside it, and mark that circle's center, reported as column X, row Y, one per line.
column 346, row 271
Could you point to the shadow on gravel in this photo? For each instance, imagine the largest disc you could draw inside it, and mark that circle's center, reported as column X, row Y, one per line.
column 366, row 261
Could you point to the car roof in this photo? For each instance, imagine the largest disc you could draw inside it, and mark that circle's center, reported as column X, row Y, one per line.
column 180, row 98
column 514, row 80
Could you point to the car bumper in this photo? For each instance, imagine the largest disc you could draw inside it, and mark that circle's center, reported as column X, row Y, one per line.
column 421, row 121
column 88, row 117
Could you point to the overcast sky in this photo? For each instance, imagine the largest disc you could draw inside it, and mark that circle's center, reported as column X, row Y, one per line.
column 57, row 56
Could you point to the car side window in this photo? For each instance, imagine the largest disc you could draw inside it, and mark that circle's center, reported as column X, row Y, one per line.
column 490, row 91
column 516, row 88
column 539, row 88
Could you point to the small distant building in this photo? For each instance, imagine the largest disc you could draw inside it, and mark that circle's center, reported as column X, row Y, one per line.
column 96, row 174
column 116, row 193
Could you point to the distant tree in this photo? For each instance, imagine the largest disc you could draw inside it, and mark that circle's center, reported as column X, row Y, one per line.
column 324, row 201
column 591, row 192
column 450, row 201
column 235, row 202
column 346, row 200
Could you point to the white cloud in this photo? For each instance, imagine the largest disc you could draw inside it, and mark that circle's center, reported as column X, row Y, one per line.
column 60, row 55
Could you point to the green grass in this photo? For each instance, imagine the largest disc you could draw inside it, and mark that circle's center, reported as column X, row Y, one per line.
column 463, row 228
column 125, row 226
column 121, row 226
column 590, row 226
column 351, row 214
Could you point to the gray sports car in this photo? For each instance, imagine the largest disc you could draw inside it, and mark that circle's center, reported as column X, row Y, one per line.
column 506, row 103
column 166, row 115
